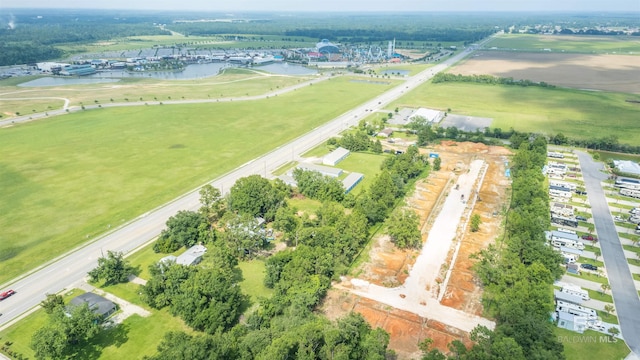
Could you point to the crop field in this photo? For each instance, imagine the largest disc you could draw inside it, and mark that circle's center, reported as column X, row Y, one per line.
column 70, row 178
column 575, row 113
column 581, row 71
column 233, row 83
column 568, row 43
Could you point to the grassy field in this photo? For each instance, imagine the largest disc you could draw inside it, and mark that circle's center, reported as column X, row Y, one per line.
column 364, row 163
column 575, row 113
column 200, row 42
column 252, row 283
column 70, row 178
column 568, row 43
column 590, row 345
column 591, row 277
column 233, row 83
column 597, row 295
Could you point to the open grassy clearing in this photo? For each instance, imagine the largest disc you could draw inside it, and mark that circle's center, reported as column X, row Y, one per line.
column 70, row 178
column 252, row 284
column 145, row 257
column 364, row 163
column 590, row 345
column 591, row 277
column 412, row 68
column 568, row 43
column 306, row 205
column 233, row 83
column 575, row 113
column 597, row 295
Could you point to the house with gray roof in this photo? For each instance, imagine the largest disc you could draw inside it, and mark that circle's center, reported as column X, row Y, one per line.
column 96, row 303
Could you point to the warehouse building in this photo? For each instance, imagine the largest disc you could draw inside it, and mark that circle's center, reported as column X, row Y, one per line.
column 335, row 156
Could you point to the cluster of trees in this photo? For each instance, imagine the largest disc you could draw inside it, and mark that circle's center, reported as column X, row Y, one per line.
column 66, row 330
column 186, row 228
column 30, row 39
column 357, row 141
column 113, row 269
column 293, row 337
column 404, row 229
column 207, row 298
column 486, row 79
column 314, row 185
column 257, row 196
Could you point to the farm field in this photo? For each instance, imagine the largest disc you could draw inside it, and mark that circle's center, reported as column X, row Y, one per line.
column 619, row 73
column 577, row 114
column 233, row 83
column 568, row 43
column 70, row 178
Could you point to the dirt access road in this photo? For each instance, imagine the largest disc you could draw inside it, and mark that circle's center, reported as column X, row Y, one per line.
column 432, row 293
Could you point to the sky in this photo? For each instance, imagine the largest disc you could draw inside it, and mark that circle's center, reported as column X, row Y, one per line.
column 339, row 5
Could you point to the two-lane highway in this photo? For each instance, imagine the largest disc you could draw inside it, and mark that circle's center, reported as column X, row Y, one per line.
column 72, row 267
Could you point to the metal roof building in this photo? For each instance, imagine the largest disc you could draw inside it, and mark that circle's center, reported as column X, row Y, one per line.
column 324, row 170
column 192, row 256
column 335, row 156
column 627, row 166
column 351, row 181
column 96, row 303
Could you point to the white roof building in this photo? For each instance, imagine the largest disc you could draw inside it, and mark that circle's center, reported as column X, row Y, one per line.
column 432, row 116
column 351, row 181
column 335, row 156
column 192, row 256
column 324, row 170
column 627, row 166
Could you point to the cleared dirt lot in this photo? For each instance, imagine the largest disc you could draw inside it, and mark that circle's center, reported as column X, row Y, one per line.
column 595, row 72
column 390, row 267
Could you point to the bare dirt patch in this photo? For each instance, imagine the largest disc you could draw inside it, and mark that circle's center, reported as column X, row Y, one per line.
column 598, row 72
column 389, row 266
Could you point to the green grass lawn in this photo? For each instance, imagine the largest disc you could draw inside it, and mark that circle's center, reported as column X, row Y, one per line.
column 305, row 205
column 606, row 156
column 591, row 248
column 610, row 318
column 636, row 277
column 252, row 283
column 635, row 262
column 568, row 43
column 145, row 257
column 319, row 151
column 364, row 163
column 635, row 249
column 591, row 277
column 596, row 295
column 71, row 178
column 586, row 260
column 590, row 345
column 575, row 113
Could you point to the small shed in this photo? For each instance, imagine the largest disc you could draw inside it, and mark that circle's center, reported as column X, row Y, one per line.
column 573, row 269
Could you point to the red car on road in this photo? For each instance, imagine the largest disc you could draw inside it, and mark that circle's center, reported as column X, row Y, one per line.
column 6, row 294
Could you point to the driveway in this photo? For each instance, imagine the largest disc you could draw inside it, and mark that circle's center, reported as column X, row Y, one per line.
column 624, row 292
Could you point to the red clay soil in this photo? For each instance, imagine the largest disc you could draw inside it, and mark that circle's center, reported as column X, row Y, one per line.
column 389, row 266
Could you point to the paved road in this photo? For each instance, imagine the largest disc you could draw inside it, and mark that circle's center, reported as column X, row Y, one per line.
column 624, row 292
column 73, row 266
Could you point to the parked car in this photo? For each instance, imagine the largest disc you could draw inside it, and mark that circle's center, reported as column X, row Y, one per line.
column 581, row 218
column 589, row 237
column 6, row 294
column 581, row 192
column 618, row 218
column 589, row 267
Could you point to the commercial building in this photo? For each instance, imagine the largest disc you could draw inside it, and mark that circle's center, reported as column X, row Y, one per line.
column 324, row 170
column 627, row 166
column 432, row 116
column 326, row 47
column 351, row 181
column 335, row 156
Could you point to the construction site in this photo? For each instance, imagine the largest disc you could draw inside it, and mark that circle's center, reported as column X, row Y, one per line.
column 433, row 292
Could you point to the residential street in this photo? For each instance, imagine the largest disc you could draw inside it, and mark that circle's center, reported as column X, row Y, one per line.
column 625, row 295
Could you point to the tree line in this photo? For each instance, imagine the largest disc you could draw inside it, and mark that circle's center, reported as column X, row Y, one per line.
column 486, row 79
